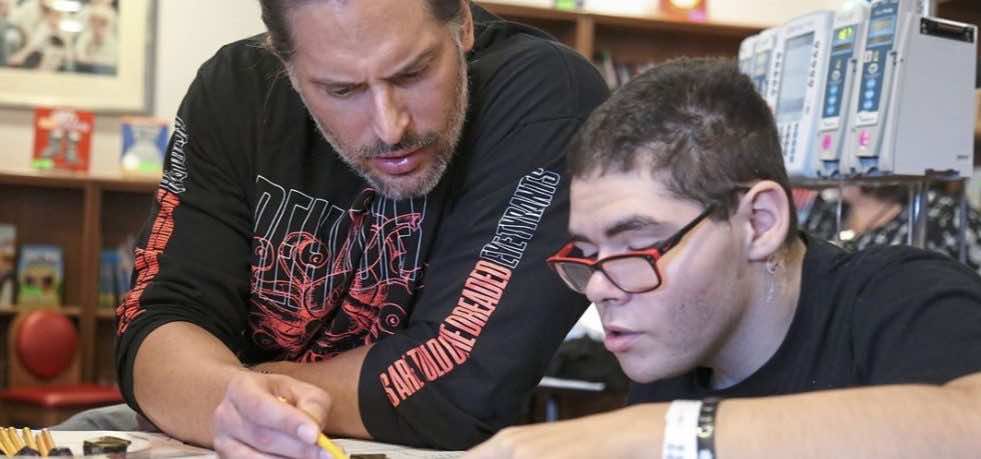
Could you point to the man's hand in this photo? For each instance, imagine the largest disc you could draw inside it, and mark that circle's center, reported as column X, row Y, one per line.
column 254, row 421
column 626, row 433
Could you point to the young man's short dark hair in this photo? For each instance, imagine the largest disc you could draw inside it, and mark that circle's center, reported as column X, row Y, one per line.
column 698, row 123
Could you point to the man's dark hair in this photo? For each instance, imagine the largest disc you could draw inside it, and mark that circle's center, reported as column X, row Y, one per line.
column 276, row 15
column 699, row 124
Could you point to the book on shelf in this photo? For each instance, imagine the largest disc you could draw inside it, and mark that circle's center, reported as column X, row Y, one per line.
column 8, row 260
column 568, row 4
column 688, row 10
column 62, row 139
column 115, row 270
column 40, row 273
column 108, row 265
column 617, row 73
column 144, row 143
column 124, row 268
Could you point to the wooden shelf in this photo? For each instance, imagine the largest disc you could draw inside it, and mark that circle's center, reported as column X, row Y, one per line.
column 70, row 311
column 69, row 180
column 129, row 184
column 511, row 10
column 662, row 23
column 651, row 22
column 45, row 179
column 81, row 213
column 630, row 39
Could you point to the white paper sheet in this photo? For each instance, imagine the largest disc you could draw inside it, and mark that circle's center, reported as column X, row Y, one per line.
column 393, row 451
column 155, row 445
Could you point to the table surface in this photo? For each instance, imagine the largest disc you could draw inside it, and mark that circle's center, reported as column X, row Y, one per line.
column 156, row 445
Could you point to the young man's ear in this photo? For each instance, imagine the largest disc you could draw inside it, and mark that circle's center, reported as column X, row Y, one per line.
column 767, row 210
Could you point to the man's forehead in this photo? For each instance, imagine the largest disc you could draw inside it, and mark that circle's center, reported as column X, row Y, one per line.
column 364, row 15
column 334, row 33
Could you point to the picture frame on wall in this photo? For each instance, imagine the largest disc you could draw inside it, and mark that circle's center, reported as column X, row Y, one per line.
column 84, row 54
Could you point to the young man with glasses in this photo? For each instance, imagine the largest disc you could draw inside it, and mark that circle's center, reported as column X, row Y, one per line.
column 743, row 336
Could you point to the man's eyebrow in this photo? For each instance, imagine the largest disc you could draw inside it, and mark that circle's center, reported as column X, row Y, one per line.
column 422, row 59
column 629, row 223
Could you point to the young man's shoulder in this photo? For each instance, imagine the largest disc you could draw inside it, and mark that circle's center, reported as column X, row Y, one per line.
column 894, row 268
column 881, row 259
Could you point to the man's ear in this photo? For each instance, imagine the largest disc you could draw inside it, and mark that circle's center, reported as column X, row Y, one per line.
column 466, row 27
column 767, row 210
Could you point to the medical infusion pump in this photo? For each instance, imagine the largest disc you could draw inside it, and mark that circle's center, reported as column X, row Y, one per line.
column 804, row 59
column 890, row 90
column 847, row 42
column 913, row 112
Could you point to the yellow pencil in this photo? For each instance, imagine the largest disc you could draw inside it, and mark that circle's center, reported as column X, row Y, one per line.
column 5, row 443
column 330, row 447
column 8, row 448
column 29, row 438
column 322, row 440
column 48, row 439
column 15, row 439
column 41, row 447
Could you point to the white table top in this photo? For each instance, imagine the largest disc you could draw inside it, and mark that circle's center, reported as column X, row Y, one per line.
column 155, row 445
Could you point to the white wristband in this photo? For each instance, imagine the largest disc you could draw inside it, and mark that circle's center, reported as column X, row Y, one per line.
column 681, row 429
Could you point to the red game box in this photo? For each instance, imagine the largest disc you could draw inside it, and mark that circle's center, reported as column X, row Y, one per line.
column 62, row 139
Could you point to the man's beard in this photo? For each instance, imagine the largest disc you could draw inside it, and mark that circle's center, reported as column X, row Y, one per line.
column 443, row 147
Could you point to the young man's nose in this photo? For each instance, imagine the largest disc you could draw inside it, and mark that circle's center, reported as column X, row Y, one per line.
column 600, row 289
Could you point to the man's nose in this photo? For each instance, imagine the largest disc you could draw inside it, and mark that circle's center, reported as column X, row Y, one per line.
column 391, row 116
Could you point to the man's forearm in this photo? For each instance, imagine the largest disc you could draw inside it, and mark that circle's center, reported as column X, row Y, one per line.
column 338, row 376
column 180, row 376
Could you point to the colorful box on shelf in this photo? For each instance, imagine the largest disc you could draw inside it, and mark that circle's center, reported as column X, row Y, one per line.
column 568, row 4
column 40, row 272
column 62, row 139
column 8, row 258
column 144, row 144
column 689, row 10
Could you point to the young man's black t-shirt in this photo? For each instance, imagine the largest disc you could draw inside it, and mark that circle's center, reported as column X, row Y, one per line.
column 261, row 235
column 886, row 315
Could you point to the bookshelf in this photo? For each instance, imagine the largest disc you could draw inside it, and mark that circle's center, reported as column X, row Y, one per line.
column 630, row 39
column 81, row 214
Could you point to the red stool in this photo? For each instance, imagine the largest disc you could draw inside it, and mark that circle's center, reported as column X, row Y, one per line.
column 45, row 378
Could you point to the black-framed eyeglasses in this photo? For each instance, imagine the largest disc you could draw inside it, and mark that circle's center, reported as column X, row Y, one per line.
column 632, row 272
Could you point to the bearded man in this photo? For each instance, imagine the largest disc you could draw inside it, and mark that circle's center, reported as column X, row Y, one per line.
column 351, row 230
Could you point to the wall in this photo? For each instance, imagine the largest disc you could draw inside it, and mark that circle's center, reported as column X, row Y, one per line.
column 757, row 12
column 190, row 31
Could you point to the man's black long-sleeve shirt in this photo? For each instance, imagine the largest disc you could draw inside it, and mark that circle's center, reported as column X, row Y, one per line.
column 261, row 235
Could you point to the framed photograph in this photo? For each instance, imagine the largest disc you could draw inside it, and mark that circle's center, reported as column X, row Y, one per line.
column 83, row 54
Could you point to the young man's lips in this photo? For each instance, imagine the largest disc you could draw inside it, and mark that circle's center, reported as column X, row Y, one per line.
column 399, row 163
column 619, row 341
